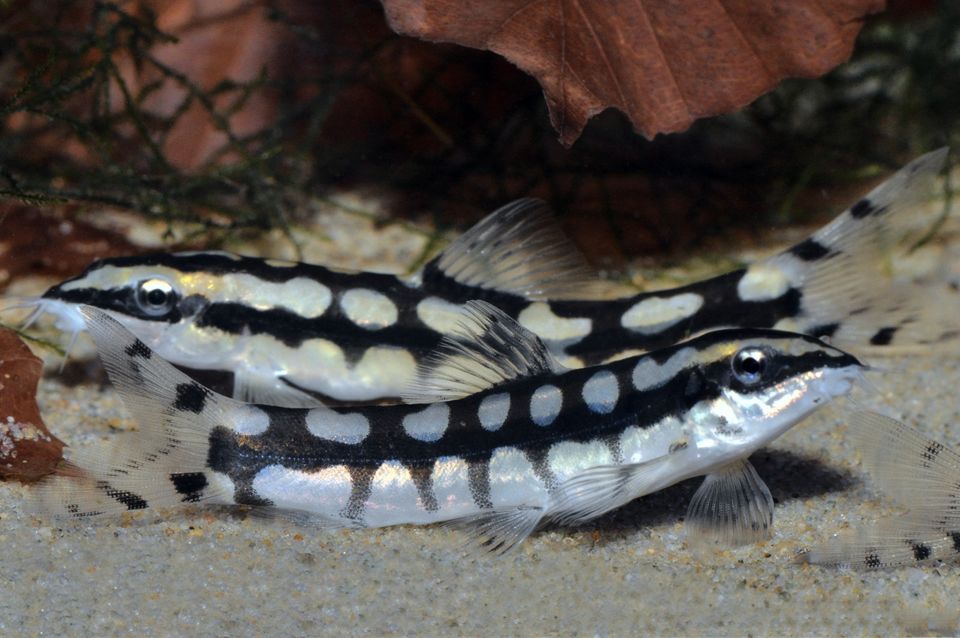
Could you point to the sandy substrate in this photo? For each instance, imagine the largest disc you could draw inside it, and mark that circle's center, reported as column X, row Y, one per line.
column 216, row 572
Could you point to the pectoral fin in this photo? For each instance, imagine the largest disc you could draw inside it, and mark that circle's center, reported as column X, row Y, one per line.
column 733, row 507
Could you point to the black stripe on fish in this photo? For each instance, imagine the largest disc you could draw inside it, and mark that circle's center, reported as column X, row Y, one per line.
column 292, row 329
column 288, row 442
column 722, row 306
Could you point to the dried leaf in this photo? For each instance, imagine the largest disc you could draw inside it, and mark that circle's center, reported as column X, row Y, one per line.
column 38, row 242
column 218, row 43
column 663, row 63
column 27, row 449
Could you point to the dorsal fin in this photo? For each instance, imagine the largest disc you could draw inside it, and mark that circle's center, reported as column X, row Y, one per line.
column 488, row 349
column 521, row 249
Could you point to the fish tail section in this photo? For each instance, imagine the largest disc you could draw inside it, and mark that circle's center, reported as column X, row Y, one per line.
column 892, row 542
column 920, row 474
column 849, row 290
column 163, row 464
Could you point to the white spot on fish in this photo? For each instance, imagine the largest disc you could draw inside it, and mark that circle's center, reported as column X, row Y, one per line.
column 601, row 392
column 428, row 424
column 320, row 365
column 393, row 497
column 208, row 253
column 300, row 295
column 624, row 354
column 350, row 428
column 763, row 282
column 545, row 404
column 540, row 319
column 512, row 479
column 325, row 490
column 280, row 263
column 640, row 444
column 248, row 420
column 493, row 411
column 648, row 374
column 568, row 458
column 440, row 315
column 653, row 314
column 368, row 308
column 451, row 485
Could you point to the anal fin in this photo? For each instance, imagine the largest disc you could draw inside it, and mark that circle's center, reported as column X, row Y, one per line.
column 733, row 507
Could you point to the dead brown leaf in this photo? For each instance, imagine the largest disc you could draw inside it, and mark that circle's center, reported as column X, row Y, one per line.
column 665, row 63
column 27, row 449
column 41, row 242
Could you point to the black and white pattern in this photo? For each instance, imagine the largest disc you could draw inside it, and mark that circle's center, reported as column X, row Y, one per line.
column 297, row 334
column 922, row 476
column 534, row 445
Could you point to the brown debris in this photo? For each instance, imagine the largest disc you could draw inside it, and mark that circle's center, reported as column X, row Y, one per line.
column 664, row 64
column 40, row 242
column 28, row 451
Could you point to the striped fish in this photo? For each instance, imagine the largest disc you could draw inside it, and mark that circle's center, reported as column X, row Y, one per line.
column 516, row 442
column 296, row 334
column 921, row 475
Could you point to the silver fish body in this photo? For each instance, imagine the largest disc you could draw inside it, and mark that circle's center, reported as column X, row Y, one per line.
column 517, row 442
column 297, row 334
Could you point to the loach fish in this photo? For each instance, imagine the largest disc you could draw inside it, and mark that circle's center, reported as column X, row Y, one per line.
column 516, row 441
column 297, row 335
column 919, row 474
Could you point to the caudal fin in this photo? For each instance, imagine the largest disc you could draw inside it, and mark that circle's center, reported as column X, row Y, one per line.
column 164, row 463
column 919, row 473
column 849, row 292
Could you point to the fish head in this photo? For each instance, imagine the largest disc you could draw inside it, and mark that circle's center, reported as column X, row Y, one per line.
column 157, row 297
column 759, row 383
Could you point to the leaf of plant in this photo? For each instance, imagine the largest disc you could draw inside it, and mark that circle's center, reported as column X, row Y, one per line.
column 665, row 63
column 27, row 449
column 34, row 241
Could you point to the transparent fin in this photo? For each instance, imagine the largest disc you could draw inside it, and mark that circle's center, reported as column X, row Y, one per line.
column 892, row 542
column 252, row 388
column 164, row 463
column 732, row 507
column 488, row 349
column 498, row 530
column 922, row 475
column 844, row 271
column 305, row 518
column 518, row 249
column 600, row 489
column 916, row 471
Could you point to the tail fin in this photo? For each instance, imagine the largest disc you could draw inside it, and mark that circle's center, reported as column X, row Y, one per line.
column 920, row 474
column 162, row 465
column 849, row 292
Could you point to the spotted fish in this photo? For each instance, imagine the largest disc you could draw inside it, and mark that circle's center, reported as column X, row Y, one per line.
column 294, row 334
column 517, row 442
column 921, row 475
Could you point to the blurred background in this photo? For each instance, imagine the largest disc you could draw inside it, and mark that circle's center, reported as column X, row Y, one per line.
column 228, row 121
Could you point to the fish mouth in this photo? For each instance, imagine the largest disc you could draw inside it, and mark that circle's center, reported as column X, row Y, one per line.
column 67, row 316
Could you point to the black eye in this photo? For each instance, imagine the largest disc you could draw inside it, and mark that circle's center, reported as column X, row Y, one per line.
column 155, row 297
column 749, row 365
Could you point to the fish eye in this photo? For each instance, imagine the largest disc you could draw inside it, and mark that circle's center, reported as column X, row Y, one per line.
column 155, row 297
column 748, row 365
